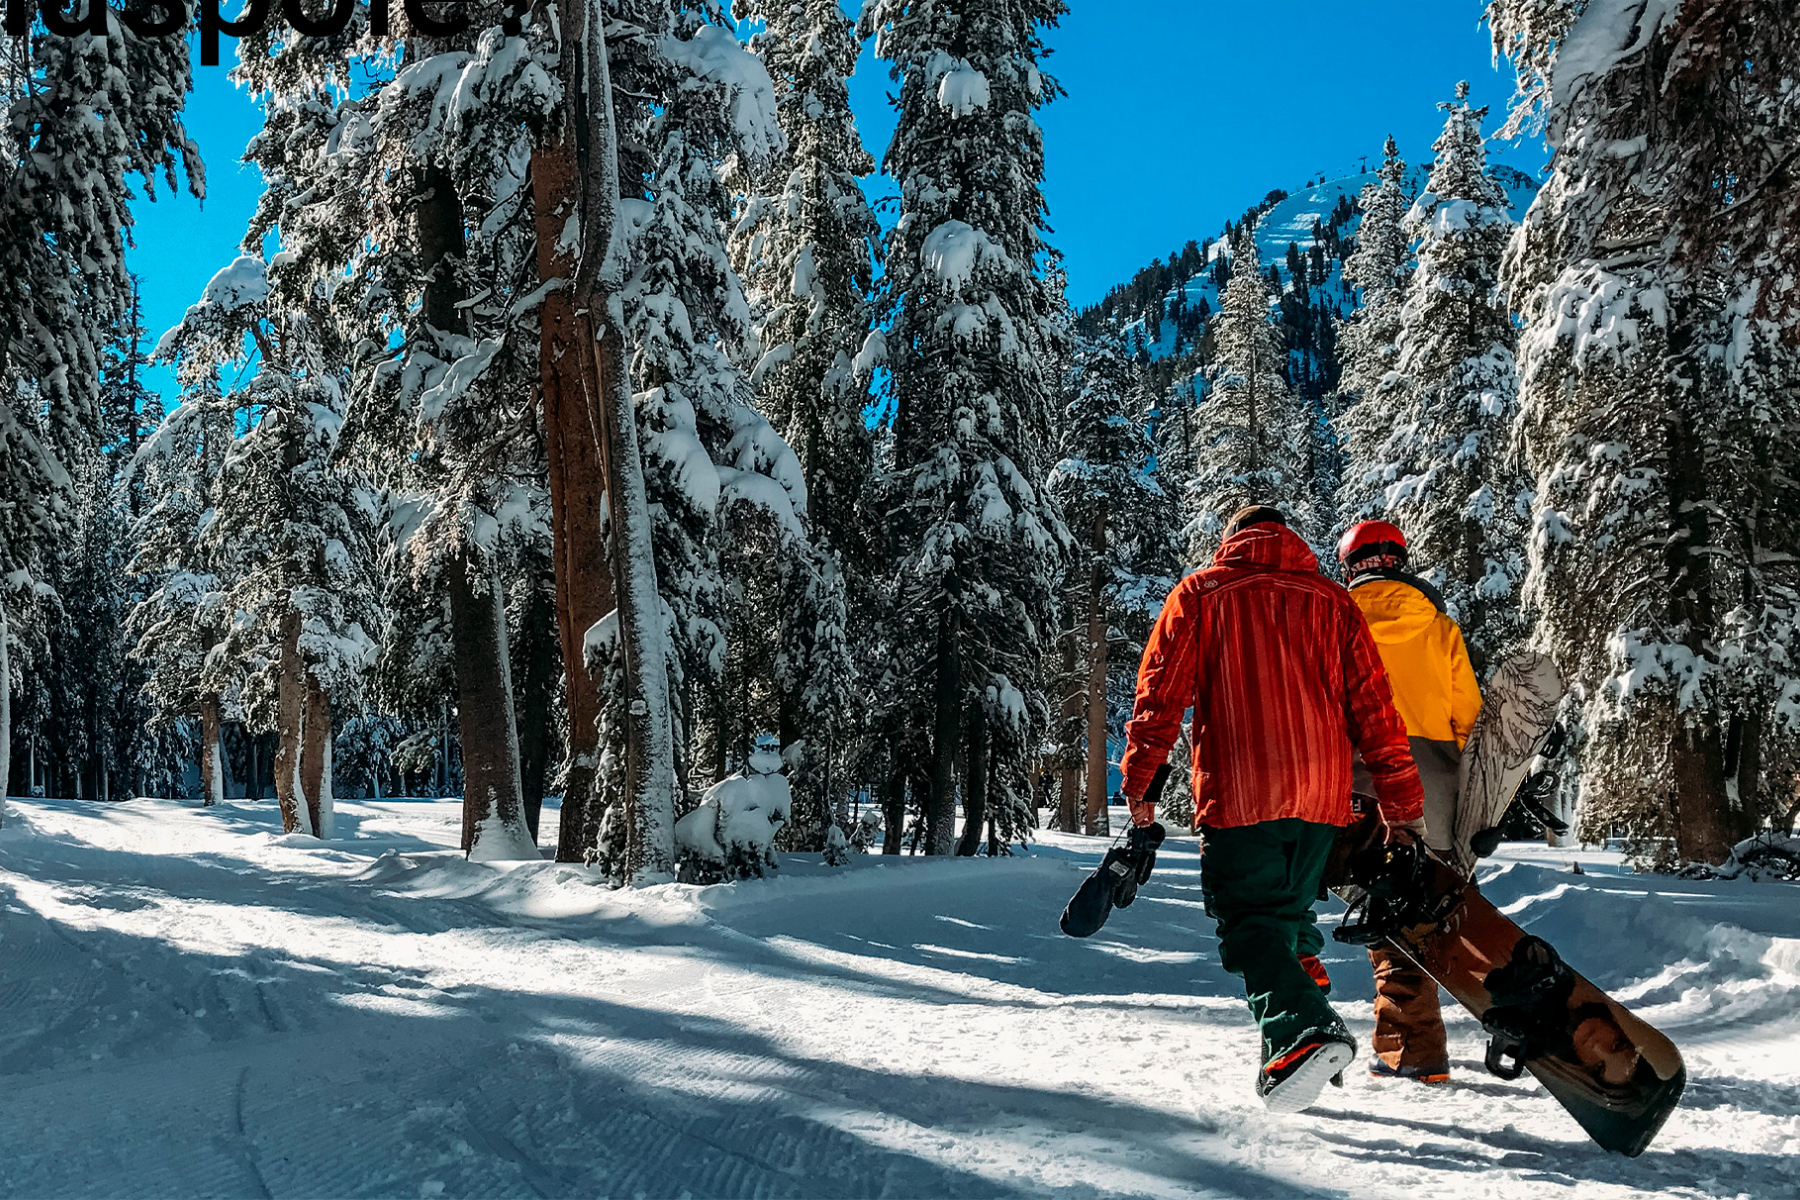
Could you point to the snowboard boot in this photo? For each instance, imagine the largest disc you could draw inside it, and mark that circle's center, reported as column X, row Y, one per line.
column 1292, row 1081
column 1380, row 1070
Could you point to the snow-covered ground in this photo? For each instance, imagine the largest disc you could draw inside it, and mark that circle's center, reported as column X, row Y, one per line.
column 192, row 1004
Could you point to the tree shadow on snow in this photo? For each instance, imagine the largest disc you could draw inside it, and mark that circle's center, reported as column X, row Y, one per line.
column 1554, row 1162
column 180, row 1072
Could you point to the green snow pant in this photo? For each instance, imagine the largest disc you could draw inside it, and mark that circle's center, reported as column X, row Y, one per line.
column 1260, row 883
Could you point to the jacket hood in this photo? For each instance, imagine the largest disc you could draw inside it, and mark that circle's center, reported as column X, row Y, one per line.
column 1270, row 547
column 1396, row 611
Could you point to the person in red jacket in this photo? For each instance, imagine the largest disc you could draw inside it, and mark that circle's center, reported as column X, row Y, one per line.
column 1284, row 681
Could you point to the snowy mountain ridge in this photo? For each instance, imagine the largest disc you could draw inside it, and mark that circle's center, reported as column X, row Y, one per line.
column 1322, row 213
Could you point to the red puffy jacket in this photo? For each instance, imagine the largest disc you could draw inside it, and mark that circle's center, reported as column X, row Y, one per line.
column 1284, row 679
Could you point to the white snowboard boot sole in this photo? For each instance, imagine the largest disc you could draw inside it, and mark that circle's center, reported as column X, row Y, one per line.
column 1299, row 1090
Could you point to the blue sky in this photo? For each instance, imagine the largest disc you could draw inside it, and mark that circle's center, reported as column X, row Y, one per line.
column 1177, row 119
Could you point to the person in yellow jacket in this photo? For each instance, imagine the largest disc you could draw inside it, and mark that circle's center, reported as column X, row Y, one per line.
column 1436, row 694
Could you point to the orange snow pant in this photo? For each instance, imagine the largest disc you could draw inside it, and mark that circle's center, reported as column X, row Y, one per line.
column 1409, row 1026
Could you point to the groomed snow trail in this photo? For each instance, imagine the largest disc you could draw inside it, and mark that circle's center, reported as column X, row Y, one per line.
column 193, row 1004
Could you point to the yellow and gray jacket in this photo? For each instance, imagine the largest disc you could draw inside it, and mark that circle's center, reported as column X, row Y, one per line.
column 1434, row 686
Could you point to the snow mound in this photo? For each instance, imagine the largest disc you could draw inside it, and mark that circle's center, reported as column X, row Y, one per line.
column 732, row 834
column 1660, row 950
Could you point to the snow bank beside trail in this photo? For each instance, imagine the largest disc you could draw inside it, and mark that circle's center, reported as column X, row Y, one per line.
column 1662, row 946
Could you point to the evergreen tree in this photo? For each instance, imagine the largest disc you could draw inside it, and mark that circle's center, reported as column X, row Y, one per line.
column 296, row 521
column 1368, row 344
column 1251, row 433
column 974, row 347
column 1111, row 501
column 1656, row 275
column 183, row 616
column 436, row 292
column 85, row 114
column 1463, row 499
column 805, row 246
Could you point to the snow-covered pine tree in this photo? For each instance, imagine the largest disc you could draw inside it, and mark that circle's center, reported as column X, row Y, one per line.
column 437, row 291
column 183, row 616
column 295, row 521
column 1111, row 503
column 805, row 245
column 975, row 348
column 1251, row 432
column 1659, row 279
column 85, row 114
column 1463, row 497
column 717, row 479
column 1367, row 344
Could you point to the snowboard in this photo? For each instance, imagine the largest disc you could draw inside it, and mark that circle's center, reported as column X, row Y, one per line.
column 1506, row 757
column 1615, row 1074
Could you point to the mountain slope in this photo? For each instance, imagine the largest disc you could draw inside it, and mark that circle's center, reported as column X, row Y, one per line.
column 1162, row 311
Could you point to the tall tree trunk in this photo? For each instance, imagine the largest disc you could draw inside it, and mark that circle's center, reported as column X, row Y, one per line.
column 975, row 813
column 290, row 706
column 946, row 739
column 537, row 661
column 315, row 759
column 893, row 811
column 493, row 807
column 584, row 584
column 1708, row 819
column 212, row 765
column 1068, row 772
column 649, row 720
column 1097, row 821
column 812, row 807
column 5, row 713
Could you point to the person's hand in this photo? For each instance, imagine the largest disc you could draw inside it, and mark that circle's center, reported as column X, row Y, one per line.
column 1407, row 832
column 1143, row 813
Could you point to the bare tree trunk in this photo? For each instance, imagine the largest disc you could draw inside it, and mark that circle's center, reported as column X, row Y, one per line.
column 975, row 795
column 1709, row 817
column 1068, row 774
column 212, row 766
column 584, row 584
column 493, row 808
column 649, row 720
column 5, row 713
column 946, row 738
column 315, row 758
column 1097, row 821
column 290, row 706
column 893, row 811
column 537, row 660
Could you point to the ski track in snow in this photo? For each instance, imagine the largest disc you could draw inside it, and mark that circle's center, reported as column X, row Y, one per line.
column 193, row 1004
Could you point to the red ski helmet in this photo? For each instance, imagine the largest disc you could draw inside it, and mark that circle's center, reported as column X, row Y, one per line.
column 1372, row 540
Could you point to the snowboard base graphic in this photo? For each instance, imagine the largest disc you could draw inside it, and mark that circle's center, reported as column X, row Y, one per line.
column 1505, row 758
column 1615, row 1074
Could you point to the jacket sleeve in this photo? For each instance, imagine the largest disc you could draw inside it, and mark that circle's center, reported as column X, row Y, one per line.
column 1465, row 693
column 1376, row 730
column 1165, row 690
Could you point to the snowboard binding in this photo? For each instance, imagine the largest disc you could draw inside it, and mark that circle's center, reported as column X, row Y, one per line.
column 1396, row 894
column 1529, row 1016
column 1536, row 795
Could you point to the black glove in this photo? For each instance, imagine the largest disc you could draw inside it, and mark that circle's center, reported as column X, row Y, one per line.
column 1145, row 839
column 1130, row 865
